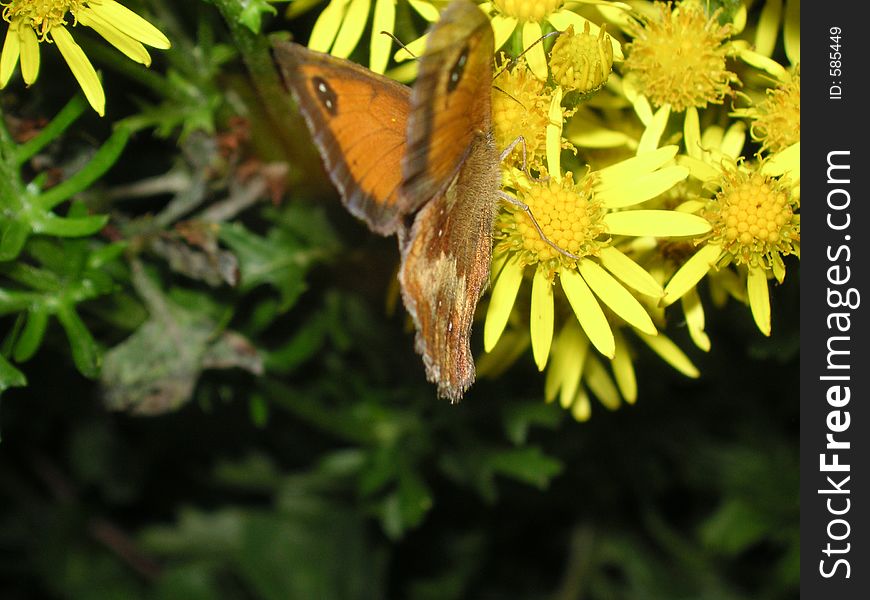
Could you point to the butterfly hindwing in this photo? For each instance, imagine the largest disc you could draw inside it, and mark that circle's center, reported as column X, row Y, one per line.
column 358, row 120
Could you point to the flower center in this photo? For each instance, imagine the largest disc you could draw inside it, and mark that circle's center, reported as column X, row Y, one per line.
column 778, row 121
column 529, row 10
column 581, row 61
column 568, row 215
column 520, row 104
column 754, row 216
column 679, row 58
column 42, row 15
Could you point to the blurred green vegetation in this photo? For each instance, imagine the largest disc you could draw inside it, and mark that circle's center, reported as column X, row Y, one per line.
column 206, row 398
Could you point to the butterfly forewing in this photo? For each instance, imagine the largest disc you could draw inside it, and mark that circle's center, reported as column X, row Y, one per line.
column 358, row 120
column 450, row 102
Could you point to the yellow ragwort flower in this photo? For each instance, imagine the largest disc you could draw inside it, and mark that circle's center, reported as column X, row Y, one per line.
column 755, row 223
column 520, row 104
column 776, row 122
column 32, row 22
column 678, row 58
column 575, row 246
column 581, row 61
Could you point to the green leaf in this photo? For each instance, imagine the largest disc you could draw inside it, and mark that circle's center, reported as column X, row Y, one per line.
column 252, row 13
column 102, row 161
column 31, row 337
column 10, row 376
column 51, row 224
column 13, row 234
column 528, row 464
column 85, row 352
column 279, row 260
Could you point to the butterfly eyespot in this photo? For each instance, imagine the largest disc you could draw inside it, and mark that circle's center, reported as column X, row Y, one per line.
column 325, row 94
column 457, row 70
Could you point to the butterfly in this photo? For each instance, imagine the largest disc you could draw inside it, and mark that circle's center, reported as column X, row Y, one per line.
column 420, row 163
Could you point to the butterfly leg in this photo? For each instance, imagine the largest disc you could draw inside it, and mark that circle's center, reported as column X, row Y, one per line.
column 525, row 168
column 525, row 208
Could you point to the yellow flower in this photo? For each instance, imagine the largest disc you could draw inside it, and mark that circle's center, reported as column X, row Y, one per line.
column 520, row 107
column 340, row 26
column 756, row 222
column 776, row 121
column 571, row 242
column 581, row 61
column 528, row 16
column 678, row 58
column 32, row 22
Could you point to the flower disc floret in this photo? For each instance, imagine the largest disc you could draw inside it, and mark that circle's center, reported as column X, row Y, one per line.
column 754, row 218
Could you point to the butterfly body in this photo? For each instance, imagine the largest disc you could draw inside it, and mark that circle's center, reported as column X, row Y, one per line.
column 420, row 163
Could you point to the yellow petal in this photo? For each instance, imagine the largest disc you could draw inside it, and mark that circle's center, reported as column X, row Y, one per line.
column 502, row 28
column 352, row 28
column 623, row 370
column 9, row 55
column 81, row 68
column 600, row 383
column 657, row 223
column 535, row 55
column 768, row 27
column 670, row 352
column 123, row 42
column 616, row 297
column 29, row 54
column 413, row 50
column 764, row 63
column 130, row 23
column 635, row 166
column 759, row 298
column 425, row 10
column 694, row 311
column 326, row 27
column 384, row 20
column 784, row 162
column 541, row 317
column 566, row 365
column 732, row 142
column 692, row 133
column 634, row 190
column 792, row 31
column 581, row 408
column 588, row 311
column 699, row 169
column 629, row 272
column 652, row 135
column 504, row 293
column 554, row 136
column 692, row 271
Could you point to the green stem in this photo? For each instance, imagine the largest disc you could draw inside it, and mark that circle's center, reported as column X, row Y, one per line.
column 11, row 186
column 102, row 161
column 66, row 117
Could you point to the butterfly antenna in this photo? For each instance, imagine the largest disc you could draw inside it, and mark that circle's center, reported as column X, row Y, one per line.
column 401, row 44
column 514, row 60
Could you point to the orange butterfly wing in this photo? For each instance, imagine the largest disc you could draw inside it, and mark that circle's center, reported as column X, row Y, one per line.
column 452, row 170
column 450, row 102
column 358, row 120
